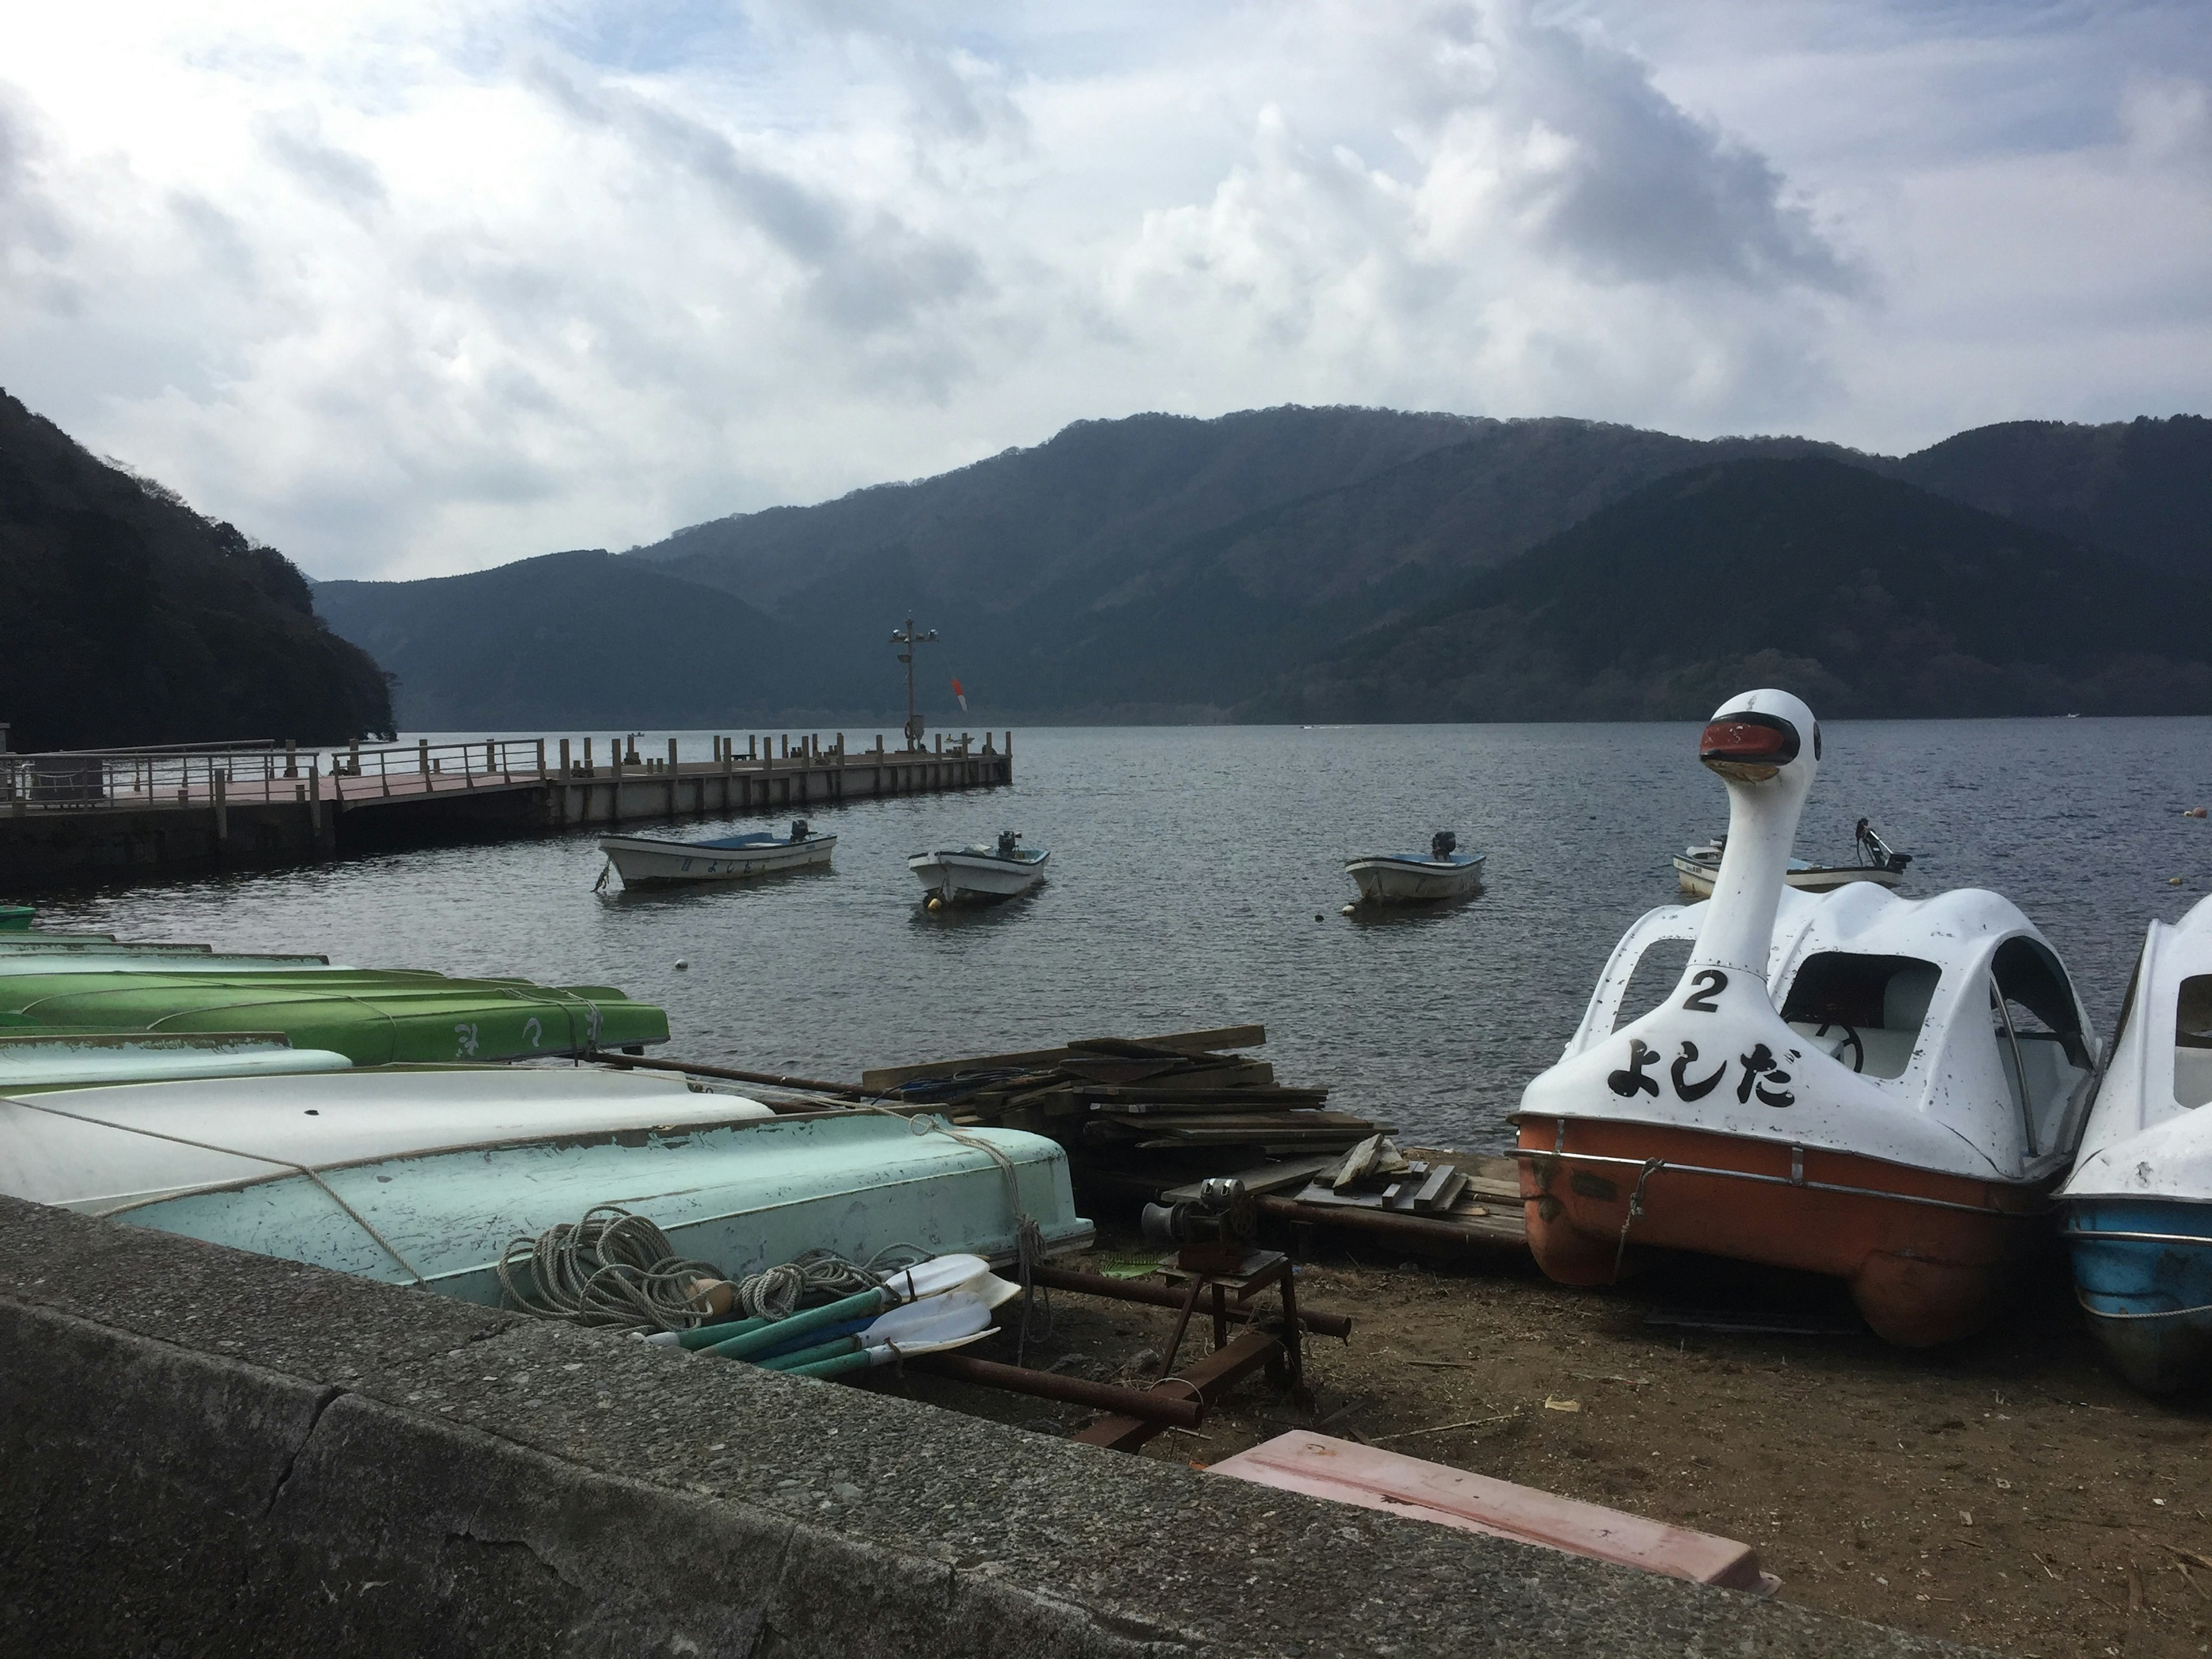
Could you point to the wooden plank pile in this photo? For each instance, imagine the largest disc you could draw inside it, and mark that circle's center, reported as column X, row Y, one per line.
column 1114, row 1100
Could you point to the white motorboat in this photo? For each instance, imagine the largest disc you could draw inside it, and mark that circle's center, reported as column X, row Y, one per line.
column 651, row 861
column 979, row 875
column 1696, row 867
column 1883, row 1091
column 2139, row 1202
column 1411, row 879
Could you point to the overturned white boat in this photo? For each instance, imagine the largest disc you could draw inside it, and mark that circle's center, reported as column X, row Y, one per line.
column 979, row 875
column 1410, row 878
column 1697, row 868
column 1884, row 1090
column 653, row 861
column 2139, row 1202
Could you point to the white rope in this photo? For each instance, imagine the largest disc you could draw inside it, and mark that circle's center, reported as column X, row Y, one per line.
column 610, row 1268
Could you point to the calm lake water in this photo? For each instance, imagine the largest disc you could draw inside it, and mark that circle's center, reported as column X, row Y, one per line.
column 1197, row 879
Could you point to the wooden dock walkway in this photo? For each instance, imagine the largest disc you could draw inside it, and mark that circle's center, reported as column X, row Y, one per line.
column 79, row 816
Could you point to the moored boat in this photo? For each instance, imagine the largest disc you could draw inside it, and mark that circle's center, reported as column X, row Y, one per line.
column 1696, row 867
column 649, row 861
column 2139, row 1203
column 1412, row 878
column 1882, row 1090
column 426, row 1174
column 979, row 874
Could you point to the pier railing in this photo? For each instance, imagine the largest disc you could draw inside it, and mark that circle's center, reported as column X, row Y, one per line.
column 259, row 771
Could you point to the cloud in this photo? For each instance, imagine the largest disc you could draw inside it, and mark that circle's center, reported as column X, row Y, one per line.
column 404, row 289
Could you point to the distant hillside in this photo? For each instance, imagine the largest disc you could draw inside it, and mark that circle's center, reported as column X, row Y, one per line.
column 1866, row 595
column 129, row 619
column 2142, row 487
column 1159, row 568
column 576, row 640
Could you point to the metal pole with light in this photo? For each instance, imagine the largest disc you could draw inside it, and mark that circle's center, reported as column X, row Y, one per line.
column 910, row 639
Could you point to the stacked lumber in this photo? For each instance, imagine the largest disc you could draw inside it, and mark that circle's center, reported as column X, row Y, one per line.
column 1186, row 1092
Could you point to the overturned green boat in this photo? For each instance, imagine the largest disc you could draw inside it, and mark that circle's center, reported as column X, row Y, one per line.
column 373, row 1017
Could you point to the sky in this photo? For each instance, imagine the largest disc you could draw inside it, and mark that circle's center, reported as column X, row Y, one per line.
column 411, row 288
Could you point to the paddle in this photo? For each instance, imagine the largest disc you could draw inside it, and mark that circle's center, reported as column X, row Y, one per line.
column 884, row 1356
column 930, row 1277
column 939, row 1319
column 940, row 1273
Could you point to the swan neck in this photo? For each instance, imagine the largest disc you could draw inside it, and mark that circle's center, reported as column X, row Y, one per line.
column 1739, row 927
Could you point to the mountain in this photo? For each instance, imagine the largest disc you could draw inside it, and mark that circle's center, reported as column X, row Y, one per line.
column 1164, row 568
column 1864, row 594
column 2142, row 487
column 576, row 641
column 130, row 619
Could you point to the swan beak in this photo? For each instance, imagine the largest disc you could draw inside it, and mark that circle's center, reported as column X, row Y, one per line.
column 1748, row 747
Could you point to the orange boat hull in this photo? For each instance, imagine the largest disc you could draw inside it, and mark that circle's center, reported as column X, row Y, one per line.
column 1920, row 1272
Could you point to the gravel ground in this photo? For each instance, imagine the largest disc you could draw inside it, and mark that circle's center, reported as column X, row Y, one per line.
column 2010, row 1491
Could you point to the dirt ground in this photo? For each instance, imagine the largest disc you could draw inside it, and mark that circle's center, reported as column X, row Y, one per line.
column 2010, row 1492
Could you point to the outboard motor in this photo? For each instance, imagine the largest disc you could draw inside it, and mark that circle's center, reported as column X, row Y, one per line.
column 799, row 829
column 1006, row 840
column 1875, row 852
column 1443, row 845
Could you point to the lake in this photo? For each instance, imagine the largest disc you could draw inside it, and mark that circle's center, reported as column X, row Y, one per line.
column 1196, row 881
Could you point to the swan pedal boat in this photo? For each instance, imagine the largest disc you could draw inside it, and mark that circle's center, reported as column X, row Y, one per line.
column 979, row 874
column 2139, row 1203
column 1442, row 873
column 1882, row 1091
column 652, row 861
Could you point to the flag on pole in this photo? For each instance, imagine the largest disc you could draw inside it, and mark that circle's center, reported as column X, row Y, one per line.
column 962, row 695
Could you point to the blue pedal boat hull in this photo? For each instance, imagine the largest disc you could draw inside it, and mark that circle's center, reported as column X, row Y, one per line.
column 2143, row 1272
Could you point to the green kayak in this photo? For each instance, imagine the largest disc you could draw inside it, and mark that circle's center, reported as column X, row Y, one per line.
column 15, row 918
column 373, row 1017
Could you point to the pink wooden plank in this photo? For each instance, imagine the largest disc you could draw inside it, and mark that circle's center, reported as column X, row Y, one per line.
column 1322, row 1467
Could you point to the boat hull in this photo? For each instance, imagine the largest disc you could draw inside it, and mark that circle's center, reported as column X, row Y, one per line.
column 1696, row 878
column 2142, row 1273
column 1928, row 1257
column 974, row 878
column 1413, row 881
column 643, row 861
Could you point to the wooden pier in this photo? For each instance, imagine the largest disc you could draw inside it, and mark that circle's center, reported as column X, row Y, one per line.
column 96, row 816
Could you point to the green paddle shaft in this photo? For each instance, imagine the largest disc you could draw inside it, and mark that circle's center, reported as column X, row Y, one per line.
column 838, row 1367
column 705, row 1336
column 815, row 1355
column 830, row 1313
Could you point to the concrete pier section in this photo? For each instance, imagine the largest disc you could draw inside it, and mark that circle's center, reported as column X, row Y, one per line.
column 143, row 812
column 203, row 1451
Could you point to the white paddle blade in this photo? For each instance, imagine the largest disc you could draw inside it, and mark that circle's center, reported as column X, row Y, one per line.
column 934, row 1277
column 884, row 1355
column 989, row 1288
column 956, row 1314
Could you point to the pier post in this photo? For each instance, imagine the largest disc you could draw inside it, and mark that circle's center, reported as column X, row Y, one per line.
column 588, row 767
column 422, row 761
column 541, row 760
column 384, row 769
column 291, row 757
column 216, row 786
column 315, row 804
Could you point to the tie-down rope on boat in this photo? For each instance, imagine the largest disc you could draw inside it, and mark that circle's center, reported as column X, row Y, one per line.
column 307, row 1169
column 1029, row 1236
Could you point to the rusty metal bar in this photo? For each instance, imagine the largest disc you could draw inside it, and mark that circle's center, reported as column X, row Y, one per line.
column 1212, row 1376
column 1155, row 1410
column 1162, row 1296
column 1414, row 1229
column 731, row 1074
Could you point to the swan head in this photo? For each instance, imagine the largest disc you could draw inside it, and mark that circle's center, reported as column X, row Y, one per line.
column 1756, row 736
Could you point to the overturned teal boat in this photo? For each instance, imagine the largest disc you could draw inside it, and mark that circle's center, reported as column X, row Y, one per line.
column 67, row 1059
column 423, row 1176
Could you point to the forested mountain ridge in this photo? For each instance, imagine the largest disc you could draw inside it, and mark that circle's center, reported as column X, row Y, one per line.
column 130, row 619
column 1165, row 568
column 1864, row 594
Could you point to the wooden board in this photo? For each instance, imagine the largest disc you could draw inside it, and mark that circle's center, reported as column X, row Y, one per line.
column 1191, row 1043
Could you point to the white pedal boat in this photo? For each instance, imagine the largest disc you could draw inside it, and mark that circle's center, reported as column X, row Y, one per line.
column 1883, row 1091
column 1411, row 879
column 651, row 861
column 979, row 875
column 2139, row 1202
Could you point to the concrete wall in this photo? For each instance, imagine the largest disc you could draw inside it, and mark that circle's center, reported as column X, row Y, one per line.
column 207, row 1452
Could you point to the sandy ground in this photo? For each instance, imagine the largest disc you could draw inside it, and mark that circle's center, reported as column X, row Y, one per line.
column 2010, row 1492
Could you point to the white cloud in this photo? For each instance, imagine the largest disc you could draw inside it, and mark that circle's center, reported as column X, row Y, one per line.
column 404, row 290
